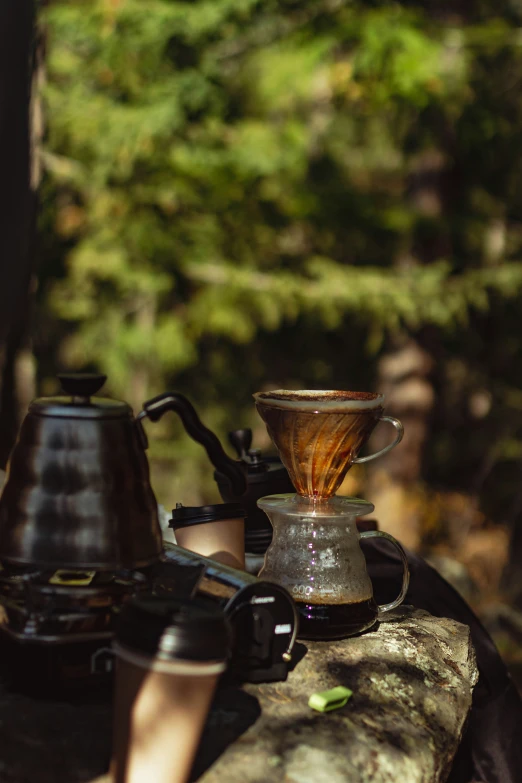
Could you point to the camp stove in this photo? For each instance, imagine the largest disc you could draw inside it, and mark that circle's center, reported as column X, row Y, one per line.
column 56, row 626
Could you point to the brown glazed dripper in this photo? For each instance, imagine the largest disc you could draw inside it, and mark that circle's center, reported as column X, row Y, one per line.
column 319, row 434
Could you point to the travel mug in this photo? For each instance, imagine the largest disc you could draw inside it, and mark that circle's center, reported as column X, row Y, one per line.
column 215, row 531
column 169, row 655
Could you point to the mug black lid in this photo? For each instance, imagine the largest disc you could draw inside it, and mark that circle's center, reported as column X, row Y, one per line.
column 186, row 516
column 172, row 630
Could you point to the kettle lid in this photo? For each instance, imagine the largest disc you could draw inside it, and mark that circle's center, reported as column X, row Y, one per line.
column 78, row 401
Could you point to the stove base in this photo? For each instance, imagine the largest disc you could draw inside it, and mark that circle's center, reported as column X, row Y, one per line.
column 41, row 668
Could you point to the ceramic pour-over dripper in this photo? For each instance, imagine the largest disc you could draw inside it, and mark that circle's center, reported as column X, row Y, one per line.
column 319, row 434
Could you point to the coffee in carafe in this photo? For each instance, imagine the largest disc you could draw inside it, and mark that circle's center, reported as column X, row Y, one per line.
column 335, row 621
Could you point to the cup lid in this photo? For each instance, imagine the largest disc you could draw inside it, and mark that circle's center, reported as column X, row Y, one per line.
column 173, row 630
column 186, row 516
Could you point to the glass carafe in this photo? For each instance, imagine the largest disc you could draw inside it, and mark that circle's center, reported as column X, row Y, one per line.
column 315, row 554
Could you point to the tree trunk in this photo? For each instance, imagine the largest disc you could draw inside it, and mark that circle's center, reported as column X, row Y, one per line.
column 405, row 375
column 20, row 176
column 16, row 193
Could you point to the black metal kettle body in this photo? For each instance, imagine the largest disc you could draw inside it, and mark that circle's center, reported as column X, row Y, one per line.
column 78, row 492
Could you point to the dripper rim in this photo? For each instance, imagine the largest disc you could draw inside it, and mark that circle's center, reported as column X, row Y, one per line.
column 320, row 400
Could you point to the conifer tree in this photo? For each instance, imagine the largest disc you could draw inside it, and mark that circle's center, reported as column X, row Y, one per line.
column 227, row 193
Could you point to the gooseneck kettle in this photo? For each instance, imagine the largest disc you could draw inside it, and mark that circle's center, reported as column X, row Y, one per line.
column 78, row 492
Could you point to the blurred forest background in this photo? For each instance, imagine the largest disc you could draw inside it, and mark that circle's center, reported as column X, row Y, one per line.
column 238, row 195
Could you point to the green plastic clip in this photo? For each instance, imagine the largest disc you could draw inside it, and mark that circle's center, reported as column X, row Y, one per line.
column 334, row 699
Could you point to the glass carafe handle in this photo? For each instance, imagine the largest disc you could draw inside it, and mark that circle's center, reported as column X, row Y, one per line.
column 398, row 437
column 383, row 608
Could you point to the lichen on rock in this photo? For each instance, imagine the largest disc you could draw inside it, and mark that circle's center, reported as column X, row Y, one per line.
column 412, row 679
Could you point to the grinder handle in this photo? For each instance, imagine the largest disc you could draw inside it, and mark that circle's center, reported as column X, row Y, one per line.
column 172, row 401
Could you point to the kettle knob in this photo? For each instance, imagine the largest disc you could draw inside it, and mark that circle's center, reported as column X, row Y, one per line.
column 81, row 384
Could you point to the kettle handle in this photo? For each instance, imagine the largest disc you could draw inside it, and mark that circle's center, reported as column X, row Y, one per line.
column 172, row 401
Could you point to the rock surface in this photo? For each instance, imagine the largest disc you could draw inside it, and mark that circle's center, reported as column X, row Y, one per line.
column 412, row 682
